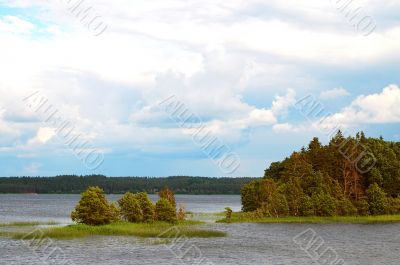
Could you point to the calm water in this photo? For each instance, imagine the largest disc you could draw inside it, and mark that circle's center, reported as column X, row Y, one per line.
column 246, row 243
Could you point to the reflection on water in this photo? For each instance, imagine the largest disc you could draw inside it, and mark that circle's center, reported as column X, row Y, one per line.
column 246, row 243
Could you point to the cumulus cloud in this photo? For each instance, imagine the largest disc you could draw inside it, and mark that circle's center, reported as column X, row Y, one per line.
column 334, row 93
column 224, row 60
column 44, row 134
column 381, row 107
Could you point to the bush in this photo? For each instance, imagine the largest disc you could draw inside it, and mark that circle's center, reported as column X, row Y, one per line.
column 165, row 211
column 181, row 215
column 324, row 204
column 276, row 206
column 362, row 207
column 130, row 208
column 146, row 205
column 93, row 208
column 345, row 207
column 394, row 205
column 115, row 213
column 228, row 214
column 377, row 200
column 307, row 206
column 166, row 193
column 249, row 197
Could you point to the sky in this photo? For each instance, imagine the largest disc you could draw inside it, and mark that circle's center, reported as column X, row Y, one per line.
column 182, row 87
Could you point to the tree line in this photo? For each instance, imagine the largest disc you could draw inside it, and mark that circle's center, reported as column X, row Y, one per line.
column 329, row 180
column 94, row 209
column 119, row 185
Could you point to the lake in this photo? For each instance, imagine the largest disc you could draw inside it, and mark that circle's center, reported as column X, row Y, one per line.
column 246, row 243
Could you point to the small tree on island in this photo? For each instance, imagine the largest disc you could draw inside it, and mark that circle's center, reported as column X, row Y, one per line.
column 146, row 205
column 130, row 208
column 165, row 211
column 166, row 193
column 228, row 214
column 93, row 208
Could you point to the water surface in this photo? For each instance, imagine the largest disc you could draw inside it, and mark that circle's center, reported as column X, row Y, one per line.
column 246, row 243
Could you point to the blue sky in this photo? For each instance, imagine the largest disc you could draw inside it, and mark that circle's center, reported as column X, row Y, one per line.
column 240, row 67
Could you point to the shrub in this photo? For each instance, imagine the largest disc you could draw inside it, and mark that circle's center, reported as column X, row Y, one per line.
column 362, row 207
column 130, row 208
column 345, row 207
column 146, row 205
column 377, row 200
column 307, row 206
column 324, row 204
column 166, row 193
column 93, row 208
column 114, row 212
column 394, row 205
column 181, row 215
column 249, row 197
column 228, row 214
column 165, row 211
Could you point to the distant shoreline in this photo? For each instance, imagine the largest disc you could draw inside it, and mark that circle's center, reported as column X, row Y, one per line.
column 71, row 184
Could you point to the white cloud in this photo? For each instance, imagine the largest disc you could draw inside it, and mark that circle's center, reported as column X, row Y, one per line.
column 14, row 24
column 375, row 108
column 334, row 93
column 43, row 135
column 290, row 128
column 208, row 53
column 281, row 104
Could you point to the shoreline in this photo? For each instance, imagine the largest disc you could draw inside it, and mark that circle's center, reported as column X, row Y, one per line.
column 376, row 219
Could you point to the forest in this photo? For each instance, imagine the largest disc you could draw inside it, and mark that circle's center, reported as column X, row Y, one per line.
column 120, row 185
column 348, row 176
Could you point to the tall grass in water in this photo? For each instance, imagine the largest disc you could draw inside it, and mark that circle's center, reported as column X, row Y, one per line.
column 21, row 224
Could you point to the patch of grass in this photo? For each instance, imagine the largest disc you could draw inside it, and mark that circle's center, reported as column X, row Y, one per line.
column 241, row 217
column 144, row 230
column 20, row 224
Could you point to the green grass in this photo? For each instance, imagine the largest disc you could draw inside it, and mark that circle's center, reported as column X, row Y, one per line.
column 20, row 224
column 143, row 230
column 243, row 218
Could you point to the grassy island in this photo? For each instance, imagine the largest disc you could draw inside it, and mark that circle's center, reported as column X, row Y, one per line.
column 143, row 230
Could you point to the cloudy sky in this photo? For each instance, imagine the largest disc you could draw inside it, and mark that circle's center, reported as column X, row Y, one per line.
column 245, row 69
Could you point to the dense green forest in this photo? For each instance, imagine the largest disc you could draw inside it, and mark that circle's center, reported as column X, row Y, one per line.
column 348, row 176
column 119, row 185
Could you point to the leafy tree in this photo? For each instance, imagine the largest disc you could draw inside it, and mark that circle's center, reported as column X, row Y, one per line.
column 115, row 213
column 350, row 175
column 294, row 194
column 168, row 194
column 93, row 208
column 249, row 196
column 324, row 204
column 130, row 208
column 394, row 205
column 377, row 200
column 165, row 211
column 146, row 206
column 345, row 207
column 307, row 206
